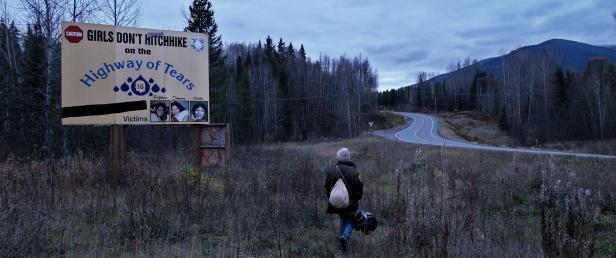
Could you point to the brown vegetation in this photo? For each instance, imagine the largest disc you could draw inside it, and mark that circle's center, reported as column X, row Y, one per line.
column 384, row 120
column 607, row 146
column 431, row 202
column 481, row 128
column 476, row 127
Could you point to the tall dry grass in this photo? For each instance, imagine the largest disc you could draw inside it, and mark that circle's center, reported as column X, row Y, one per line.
column 431, row 202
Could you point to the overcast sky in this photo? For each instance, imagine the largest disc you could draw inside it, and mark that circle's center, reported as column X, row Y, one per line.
column 401, row 37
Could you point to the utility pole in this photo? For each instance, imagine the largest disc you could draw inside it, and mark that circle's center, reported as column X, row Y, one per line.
column 435, row 110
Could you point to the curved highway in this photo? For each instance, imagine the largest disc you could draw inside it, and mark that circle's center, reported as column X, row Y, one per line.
column 423, row 129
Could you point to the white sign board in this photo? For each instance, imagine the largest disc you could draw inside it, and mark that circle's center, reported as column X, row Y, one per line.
column 118, row 75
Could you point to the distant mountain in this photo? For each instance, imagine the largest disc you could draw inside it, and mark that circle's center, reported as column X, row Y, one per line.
column 569, row 54
column 610, row 47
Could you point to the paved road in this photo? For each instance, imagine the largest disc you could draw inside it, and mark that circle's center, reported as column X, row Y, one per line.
column 423, row 129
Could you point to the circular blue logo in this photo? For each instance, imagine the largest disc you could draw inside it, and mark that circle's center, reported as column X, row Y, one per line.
column 198, row 44
column 140, row 87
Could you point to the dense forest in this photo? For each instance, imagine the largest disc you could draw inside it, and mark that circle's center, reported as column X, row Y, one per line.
column 266, row 91
column 533, row 98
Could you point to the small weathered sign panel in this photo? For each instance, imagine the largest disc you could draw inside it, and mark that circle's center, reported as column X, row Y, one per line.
column 119, row 75
column 213, row 136
column 213, row 147
column 212, row 158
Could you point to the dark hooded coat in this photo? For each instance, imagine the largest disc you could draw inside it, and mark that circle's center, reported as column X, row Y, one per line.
column 352, row 182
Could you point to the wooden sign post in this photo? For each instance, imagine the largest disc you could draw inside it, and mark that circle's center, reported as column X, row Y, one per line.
column 212, row 149
column 117, row 154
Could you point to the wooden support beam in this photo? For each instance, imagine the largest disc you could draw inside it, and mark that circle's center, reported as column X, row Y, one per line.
column 117, row 155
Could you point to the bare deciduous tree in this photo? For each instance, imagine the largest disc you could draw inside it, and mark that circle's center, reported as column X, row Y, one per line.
column 121, row 12
column 598, row 93
column 82, row 10
column 8, row 54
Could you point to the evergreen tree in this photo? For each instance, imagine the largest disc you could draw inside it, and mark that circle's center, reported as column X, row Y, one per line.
column 9, row 79
column 474, row 90
column 201, row 20
column 245, row 105
column 291, row 51
column 248, row 61
column 239, row 67
column 281, row 51
column 269, row 49
column 283, row 85
column 560, row 100
column 271, row 56
column 302, row 53
column 560, row 103
column 418, row 100
column 32, row 90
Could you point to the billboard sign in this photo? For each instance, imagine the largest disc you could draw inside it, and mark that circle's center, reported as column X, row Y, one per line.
column 119, row 75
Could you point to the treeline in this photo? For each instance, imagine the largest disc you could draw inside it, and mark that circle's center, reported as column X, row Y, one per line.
column 393, row 98
column 267, row 91
column 276, row 92
column 29, row 89
column 533, row 97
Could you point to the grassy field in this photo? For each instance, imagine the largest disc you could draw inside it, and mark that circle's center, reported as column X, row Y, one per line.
column 431, row 202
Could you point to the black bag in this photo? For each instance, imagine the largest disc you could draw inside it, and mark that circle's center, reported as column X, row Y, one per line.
column 365, row 221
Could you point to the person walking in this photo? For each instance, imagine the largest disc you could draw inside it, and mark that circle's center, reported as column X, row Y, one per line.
column 345, row 171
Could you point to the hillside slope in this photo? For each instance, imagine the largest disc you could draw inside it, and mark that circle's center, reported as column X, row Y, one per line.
column 570, row 55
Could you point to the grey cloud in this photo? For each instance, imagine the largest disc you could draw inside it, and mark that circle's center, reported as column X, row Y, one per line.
column 461, row 46
column 577, row 21
column 543, row 9
column 412, row 57
column 489, row 31
column 494, row 41
column 383, row 49
column 605, row 4
column 238, row 24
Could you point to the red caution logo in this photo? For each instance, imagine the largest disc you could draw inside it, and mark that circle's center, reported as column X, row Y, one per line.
column 73, row 34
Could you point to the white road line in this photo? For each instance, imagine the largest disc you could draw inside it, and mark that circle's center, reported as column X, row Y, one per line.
column 417, row 128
